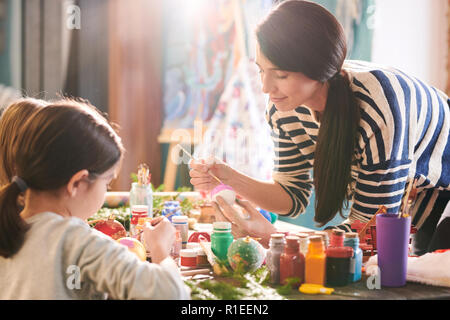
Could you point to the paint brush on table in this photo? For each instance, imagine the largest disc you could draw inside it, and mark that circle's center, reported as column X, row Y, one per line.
column 190, row 156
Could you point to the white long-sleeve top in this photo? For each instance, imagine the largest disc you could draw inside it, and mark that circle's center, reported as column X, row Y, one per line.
column 64, row 258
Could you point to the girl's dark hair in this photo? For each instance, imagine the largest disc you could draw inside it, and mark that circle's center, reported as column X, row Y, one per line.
column 301, row 36
column 52, row 145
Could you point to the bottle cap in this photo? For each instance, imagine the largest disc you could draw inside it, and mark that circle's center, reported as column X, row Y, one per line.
column 139, row 208
column 200, row 252
column 292, row 240
column 188, row 253
column 179, row 219
column 222, row 225
column 351, row 235
column 315, row 239
column 192, row 245
column 338, row 232
column 302, row 235
column 339, row 252
column 277, row 236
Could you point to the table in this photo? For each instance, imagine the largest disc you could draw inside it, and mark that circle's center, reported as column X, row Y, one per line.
column 360, row 290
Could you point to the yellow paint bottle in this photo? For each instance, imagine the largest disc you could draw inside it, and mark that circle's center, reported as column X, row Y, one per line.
column 315, row 262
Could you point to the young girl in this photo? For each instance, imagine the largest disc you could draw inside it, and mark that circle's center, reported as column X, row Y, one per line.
column 65, row 155
column 365, row 131
column 11, row 119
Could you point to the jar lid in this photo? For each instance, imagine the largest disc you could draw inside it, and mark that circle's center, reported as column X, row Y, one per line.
column 292, row 240
column 179, row 219
column 339, row 252
column 192, row 245
column 351, row 235
column 188, row 253
column 277, row 236
column 139, row 208
column 315, row 239
column 222, row 225
column 302, row 235
column 338, row 232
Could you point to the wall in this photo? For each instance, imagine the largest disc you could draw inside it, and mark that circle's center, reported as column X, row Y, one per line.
column 412, row 36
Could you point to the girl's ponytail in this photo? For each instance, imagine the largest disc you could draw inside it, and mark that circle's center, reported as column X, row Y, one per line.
column 334, row 150
column 12, row 226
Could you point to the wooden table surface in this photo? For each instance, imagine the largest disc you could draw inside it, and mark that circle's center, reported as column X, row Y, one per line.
column 359, row 290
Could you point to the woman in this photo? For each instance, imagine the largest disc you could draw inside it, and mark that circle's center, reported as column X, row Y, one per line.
column 365, row 130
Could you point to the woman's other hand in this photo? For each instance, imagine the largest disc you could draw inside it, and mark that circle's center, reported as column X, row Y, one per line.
column 246, row 220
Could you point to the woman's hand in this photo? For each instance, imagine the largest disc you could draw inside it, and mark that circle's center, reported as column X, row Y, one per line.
column 159, row 239
column 245, row 219
column 202, row 180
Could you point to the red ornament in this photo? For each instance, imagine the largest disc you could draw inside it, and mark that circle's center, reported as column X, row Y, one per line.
column 112, row 228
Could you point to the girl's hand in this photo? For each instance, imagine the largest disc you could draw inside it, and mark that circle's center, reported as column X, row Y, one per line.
column 245, row 219
column 159, row 239
column 202, row 180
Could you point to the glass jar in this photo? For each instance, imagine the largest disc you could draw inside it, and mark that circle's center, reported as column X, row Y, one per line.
column 315, row 261
column 142, row 195
column 181, row 223
column 352, row 240
column 221, row 239
column 276, row 248
column 292, row 262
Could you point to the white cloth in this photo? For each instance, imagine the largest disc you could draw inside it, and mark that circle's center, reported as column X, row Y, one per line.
column 431, row 268
column 57, row 248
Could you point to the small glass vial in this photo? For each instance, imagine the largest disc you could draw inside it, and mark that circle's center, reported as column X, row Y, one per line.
column 142, row 195
column 181, row 223
column 292, row 262
column 304, row 242
column 338, row 266
column 352, row 240
column 276, row 248
column 337, row 238
column 202, row 260
column 315, row 261
column 221, row 239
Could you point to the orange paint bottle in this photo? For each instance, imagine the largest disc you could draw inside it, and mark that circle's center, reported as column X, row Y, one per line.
column 315, row 262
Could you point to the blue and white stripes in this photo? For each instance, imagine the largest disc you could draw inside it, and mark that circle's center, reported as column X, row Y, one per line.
column 403, row 134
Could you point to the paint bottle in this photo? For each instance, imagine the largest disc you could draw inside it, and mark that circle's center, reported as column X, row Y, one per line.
column 221, row 239
column 181, row 223
column 276, row 247
column 304, row 242
column 315, row 261
column 338, row 266
column 337, row 238
column 292, row 261
column 324, row 236
column 188, row 258
column 352, row 240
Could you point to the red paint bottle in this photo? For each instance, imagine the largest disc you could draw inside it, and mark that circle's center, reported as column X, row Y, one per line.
column 292, row 262
column 337, row 238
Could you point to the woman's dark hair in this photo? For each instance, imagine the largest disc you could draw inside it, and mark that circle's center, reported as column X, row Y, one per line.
column 52, row 145
column 301, row 36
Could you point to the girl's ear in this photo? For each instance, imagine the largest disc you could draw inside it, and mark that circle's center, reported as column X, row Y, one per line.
column 75, row 182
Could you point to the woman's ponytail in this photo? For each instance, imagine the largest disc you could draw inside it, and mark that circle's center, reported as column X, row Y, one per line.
column 334, row 150
column 12, row 226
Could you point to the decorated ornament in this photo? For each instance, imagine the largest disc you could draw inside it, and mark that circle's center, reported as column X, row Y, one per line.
column 226, row 192
column 246, row 253
column 134, row 246
column 111, row 227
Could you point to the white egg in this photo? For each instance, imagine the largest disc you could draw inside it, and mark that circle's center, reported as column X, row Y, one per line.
column 228, row 195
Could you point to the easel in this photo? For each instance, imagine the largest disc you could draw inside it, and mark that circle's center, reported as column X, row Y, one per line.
column 174, row 137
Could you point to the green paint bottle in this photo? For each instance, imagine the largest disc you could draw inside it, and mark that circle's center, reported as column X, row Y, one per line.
column 221, row 239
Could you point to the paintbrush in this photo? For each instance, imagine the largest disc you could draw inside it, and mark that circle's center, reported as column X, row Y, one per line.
column 190, row 156
column 362, row 233
column 402, row 211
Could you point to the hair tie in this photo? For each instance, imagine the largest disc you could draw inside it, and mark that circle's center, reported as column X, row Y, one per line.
column 20, row 183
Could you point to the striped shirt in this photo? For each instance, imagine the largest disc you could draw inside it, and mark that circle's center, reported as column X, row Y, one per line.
column 403, row 134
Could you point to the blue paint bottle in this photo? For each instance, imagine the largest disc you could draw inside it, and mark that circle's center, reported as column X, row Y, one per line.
column 352, row 240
